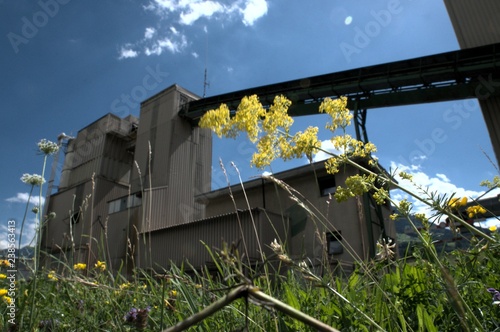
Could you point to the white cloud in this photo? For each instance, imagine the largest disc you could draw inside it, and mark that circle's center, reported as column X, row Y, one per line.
column 126, row 53
column 186, row 13
column 24, row 197
column 29, row 232
column 254, row 10
column 327, row 146
column 438, row 184
column 195, row 55
column 196, row 10
column 149, row 33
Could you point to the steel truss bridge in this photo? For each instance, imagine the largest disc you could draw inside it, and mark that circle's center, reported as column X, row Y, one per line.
column 462, row 74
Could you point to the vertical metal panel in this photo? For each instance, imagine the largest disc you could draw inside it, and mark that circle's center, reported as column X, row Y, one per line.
column 185, row 242
column 476, row 23
column 490, row 108
column 176, row 156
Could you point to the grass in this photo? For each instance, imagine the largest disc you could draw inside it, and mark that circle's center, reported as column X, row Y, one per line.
column 403, row 297
column 421, row 292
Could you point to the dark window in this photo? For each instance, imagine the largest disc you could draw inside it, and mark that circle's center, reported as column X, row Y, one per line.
column 327, row 185
column 334, row 243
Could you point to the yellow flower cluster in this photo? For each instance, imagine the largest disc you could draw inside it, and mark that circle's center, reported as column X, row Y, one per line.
column 125, row 285
column 217, row 120
column 80, row 266
column 475, row 210
column 100, row 266
column 3, row 295
column 356, row 185
column 338, row 111
column 275, row 123
column 52, row 276
column 271, row 130
column 406, row 176
column 247, row 117
column 277, row 116
column 457, row 202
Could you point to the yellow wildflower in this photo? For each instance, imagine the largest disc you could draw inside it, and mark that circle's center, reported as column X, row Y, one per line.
column 493, row 228
column 475, row 210
column 306, row 143
column 80, row 266
column 3, row 291
column 217, row 120
column 5, row 263
column 277, row 116
column 172, row 293
column 8, row 299
column 2, row 276
column 457, row 202
column 100, row 266
column 52, row 276
column 338, row 111
column 247, row 117
column 125, row 285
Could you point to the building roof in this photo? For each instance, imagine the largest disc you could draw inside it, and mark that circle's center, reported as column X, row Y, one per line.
column 318, row 166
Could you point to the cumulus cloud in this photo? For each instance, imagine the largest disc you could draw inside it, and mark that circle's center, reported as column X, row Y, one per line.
column 178, row 13
column 126, row 53
column 438, row 184
column 149, row 33
column 193, row 11
column 254, row 9
column 29, row 232
column 24, row 197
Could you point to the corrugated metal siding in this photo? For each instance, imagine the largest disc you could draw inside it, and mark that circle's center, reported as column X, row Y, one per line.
column 180, row 164
column 491, row 114
column 183, row 243
column 64, row 204
column 476, row 23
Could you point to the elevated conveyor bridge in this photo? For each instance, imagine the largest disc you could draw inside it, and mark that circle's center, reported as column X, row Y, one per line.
column 462, row 74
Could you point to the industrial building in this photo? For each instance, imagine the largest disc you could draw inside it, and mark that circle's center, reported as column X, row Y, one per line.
column 136, row 192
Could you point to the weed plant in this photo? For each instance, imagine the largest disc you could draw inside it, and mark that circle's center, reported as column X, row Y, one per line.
column 423, row 291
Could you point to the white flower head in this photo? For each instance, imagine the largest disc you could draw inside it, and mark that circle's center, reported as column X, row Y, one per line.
column 47, row 147
column 276, row 247
column 33, row 179
column 385, row 249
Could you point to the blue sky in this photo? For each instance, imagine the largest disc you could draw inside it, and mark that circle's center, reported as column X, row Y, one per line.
column 66, row 63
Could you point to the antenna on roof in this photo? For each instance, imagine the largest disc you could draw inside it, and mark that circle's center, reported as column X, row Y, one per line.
column 205, row 81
